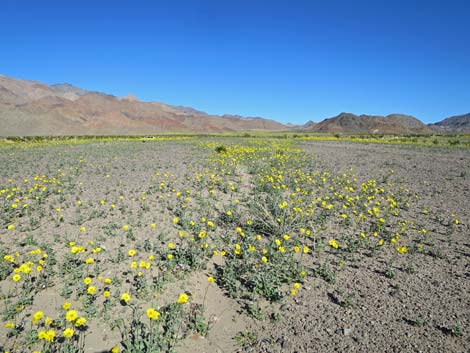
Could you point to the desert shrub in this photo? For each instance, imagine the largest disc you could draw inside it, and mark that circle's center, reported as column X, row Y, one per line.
column 221, row 149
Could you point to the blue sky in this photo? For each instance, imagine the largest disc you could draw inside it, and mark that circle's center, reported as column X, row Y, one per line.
column 292, row 61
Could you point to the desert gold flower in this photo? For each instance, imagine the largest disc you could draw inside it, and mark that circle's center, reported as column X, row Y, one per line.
column 16, row 277
column 125, row 297
column 9, row 258
column 71, row 315
column 333, row 244
column 210, row 279
column 183, row 298
column 68, row 332
column 171, row 246
column 81, row 321
column 11, row 227
column 87, row 280
column 106, row 293
column 66, row 306
column 402, row 249
column 238, row 250
column 91, row 290
column 131, row 252
column 152, row 314
column 38, row 315
column 125, row 227
column 47, row 335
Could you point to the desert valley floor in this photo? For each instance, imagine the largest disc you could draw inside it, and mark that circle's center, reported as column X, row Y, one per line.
column 191, row 244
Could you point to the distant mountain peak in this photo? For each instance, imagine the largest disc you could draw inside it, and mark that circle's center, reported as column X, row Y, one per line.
column 131, row 98
column 459, row 124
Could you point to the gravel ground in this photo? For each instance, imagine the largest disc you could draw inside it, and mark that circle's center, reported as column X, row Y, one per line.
column 427, row 310
column 374, row 303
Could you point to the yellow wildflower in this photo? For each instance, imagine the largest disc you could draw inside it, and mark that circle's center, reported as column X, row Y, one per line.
column 47, row 335
column 333, row 243
column 71, row 315
column 152, row 314
column 183, row 298
column 68, row 332
column 125, row 297
column 402, row 249
column 81, row 321
column 38, row 315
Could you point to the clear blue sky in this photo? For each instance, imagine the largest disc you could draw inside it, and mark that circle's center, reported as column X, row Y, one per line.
column 288, row 60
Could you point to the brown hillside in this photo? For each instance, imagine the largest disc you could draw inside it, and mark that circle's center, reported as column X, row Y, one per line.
column 370, row 124
column 33, row 108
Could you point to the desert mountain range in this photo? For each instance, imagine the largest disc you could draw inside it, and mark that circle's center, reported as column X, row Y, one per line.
column 35, row 108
